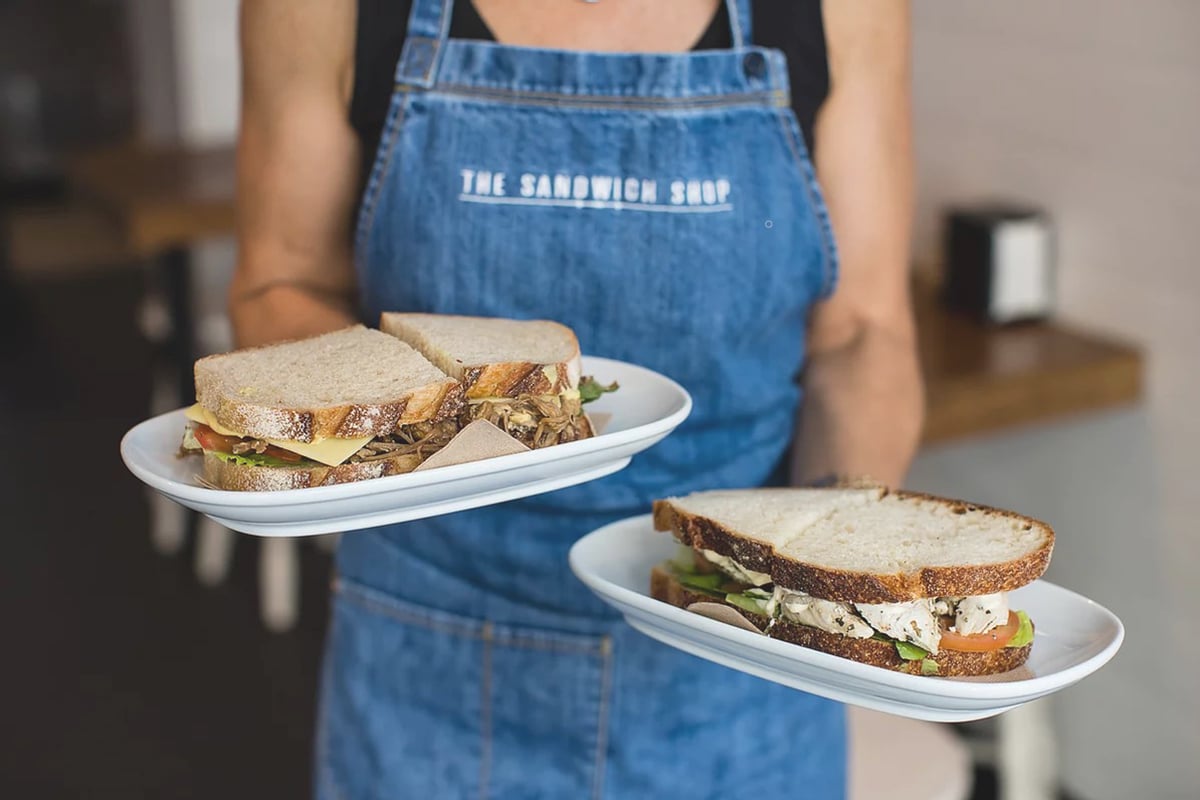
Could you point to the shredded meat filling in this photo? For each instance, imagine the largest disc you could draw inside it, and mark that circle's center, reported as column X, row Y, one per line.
column 534, row 420
column 421, row 439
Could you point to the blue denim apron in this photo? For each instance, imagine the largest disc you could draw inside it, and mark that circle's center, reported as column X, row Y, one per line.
column 664, row 206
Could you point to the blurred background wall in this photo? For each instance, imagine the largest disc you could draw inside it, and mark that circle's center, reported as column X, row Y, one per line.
column 1091, row 108
column 1087, row 108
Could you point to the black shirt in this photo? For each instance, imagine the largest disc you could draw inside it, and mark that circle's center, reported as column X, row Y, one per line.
column 793, row 26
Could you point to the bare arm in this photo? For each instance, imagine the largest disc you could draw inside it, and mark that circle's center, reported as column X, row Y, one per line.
column 864, row 400
column 297, row 171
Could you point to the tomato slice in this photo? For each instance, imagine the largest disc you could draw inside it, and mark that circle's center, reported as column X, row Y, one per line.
column 280, row 453
column 982, row 642
column 211, row 440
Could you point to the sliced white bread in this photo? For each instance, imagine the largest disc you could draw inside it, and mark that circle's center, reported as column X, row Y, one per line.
column 864, row 546
column 350, row 383
column 493, row 357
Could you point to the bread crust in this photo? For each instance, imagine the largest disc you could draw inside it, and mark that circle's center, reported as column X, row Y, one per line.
column 433, row 402
column 500, row 378
column 515, row 378
column 951, row 663
column 243, row 478
column 862, row 587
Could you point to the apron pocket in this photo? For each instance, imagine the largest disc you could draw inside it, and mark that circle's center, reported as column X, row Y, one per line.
column 547, row 713
column 401, row 705
column 418, row 702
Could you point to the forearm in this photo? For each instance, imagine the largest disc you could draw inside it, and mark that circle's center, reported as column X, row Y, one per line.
column 297, row 171
column 863, row 409
column 281, row 312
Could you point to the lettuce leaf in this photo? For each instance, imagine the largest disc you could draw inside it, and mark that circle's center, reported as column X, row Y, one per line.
column 590, row 389
column 756, row 601
column 684, row 560
column 697, row 581
column 747, row 603
column 1024, row 634
column 910, row 652
column 259, row 460
column 929, row 666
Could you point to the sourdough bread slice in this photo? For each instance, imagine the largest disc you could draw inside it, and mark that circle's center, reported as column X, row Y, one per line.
column 864, row 545
column 493, row 357
column 246, row 478
column 349, row 383
column 951, row 663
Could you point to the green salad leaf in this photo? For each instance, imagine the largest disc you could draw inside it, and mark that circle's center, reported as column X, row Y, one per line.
column 684, row 560
column 701, row 583
column 696, row 580
column 1024, row 634
column 929, row 666
column 756, row 601
column 590, row 389
column 910, row 652
column 258, row 460
column 747, row 602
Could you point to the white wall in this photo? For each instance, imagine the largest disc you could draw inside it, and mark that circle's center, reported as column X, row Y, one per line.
column 208, row 68
column 1092, row 108
column 207, row 98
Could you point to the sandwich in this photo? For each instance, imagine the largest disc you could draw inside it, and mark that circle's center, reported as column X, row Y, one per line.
column 899, row 580
column 524, row 376
column 345, row 406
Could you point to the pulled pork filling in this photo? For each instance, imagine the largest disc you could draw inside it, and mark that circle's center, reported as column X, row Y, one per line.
column 420, row 439
column 534, row 420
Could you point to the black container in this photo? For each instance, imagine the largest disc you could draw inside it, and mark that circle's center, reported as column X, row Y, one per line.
column 999, row 263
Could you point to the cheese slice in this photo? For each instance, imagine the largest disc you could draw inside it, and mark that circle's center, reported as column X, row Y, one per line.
column 330, row 452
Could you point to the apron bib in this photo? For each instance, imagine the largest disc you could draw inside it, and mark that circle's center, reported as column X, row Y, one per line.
column 665, row 208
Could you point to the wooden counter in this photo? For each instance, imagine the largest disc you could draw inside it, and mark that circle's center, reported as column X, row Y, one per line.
column 980, row 379
column 161, row 198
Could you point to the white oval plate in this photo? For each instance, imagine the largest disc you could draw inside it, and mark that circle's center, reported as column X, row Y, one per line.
column 647, row 408
column 1074, row 638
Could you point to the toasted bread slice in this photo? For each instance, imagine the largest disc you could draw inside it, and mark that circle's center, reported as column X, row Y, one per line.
column 951, row 663
column 245, row 478
column 493, row 357
column 864, row 545
column 349, row 383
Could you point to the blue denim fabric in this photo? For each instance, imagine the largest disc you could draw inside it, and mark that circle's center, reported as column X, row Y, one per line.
column 664, row 206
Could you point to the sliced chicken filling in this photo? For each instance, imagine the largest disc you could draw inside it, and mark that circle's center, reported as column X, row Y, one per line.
column 917, row 622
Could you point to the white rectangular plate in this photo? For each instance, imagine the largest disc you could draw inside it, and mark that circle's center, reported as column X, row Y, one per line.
column 647, row 407
column 1074, row 638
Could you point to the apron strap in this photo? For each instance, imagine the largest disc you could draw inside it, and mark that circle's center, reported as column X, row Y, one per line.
column 740, row 21
column 428, row 29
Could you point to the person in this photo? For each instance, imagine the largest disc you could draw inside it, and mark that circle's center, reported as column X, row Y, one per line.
column 640, row 171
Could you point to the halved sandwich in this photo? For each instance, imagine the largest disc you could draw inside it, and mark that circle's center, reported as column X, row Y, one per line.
column 524, row 376
column 899, row 580
column 345, row 406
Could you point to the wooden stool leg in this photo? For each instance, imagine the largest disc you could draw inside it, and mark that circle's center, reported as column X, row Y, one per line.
column 168, row 524
column 1027, row 758
column 279, row 583
column 214, row 551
